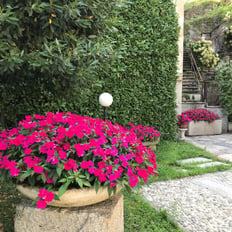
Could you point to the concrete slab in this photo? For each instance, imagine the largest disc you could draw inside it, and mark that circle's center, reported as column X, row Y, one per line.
column 205, row 165
column 227, row 157
column 194, row 160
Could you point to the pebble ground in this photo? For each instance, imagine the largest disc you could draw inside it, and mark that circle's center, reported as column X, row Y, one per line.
column 201, row 203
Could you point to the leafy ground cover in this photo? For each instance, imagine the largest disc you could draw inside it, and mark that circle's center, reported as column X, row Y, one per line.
column 138, row 214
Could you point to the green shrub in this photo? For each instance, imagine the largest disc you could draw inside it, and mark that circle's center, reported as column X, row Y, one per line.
column 223, row 74
column 48, row 50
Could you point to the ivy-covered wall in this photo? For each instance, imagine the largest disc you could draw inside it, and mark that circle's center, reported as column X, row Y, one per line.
column 129, row 50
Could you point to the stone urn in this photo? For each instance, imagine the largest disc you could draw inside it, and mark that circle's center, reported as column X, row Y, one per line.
column 152, row 144
column 72, row 197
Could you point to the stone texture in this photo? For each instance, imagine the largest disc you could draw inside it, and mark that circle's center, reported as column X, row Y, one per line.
column 204, row 128
column 218, row 145
column 205, row 165
column 226, row 157
column 194, row 160
column 102, row 217
column 198, row 204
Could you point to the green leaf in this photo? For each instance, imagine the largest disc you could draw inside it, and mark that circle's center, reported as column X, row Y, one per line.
column 26, row 174
column 79, row 181
column 63, row 180
column 63, row 188
column 59, row 170
column 96, row 185
column 86, row 183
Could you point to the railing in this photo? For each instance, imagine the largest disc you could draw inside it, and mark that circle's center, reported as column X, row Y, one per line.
column 198, row 77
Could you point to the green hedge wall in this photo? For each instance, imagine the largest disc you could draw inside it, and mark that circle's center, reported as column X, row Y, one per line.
column 143, row 80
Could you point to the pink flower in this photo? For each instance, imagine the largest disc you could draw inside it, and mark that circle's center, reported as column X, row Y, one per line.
column 70, row 164
column 27, row 151
column 133, row 180
column 46, row 197
column 38, row 169
column 41, row 204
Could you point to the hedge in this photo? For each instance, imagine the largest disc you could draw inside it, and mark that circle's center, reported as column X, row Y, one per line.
column 142, row 80
column 128, row 49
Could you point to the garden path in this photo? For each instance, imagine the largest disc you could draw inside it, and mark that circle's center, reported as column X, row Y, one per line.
column 200, row 203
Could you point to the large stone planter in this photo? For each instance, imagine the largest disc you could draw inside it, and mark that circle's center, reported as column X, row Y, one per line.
column 72, row 197
column 204, row 128
column 151, row 145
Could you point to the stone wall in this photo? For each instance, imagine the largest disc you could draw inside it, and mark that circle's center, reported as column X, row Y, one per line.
column 180, row 11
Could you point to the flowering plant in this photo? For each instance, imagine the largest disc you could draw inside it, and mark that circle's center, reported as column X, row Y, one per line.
column 204, row 52
column 227, row 31
column 196, row 115
column 145, row 133
column 64, row 150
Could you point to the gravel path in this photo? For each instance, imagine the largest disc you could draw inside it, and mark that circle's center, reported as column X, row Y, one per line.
column 198, row 204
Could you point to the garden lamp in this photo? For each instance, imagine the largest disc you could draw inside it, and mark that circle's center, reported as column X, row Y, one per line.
column 105, row 99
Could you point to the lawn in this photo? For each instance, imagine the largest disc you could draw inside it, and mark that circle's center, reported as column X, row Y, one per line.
column 138, row 214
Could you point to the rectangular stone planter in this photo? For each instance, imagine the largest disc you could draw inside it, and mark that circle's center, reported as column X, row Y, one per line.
column 204, row 128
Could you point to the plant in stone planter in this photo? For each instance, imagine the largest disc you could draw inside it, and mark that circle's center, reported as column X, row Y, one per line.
column 182, row 120
column 145, row 133
column 196, row 115
column 148, row 135
column 62, row 151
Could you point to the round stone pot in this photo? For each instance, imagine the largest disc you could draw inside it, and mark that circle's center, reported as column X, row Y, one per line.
column 183, row 126
column 72, row 197
column 151, row 145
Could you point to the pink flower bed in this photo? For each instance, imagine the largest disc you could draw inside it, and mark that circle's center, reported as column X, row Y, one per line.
column 63, row 150
column 196, row 115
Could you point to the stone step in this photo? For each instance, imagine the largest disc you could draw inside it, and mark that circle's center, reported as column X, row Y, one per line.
column 200, row 162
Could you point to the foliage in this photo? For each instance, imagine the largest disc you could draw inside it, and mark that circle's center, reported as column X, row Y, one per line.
column 204, row 53
column 48, row 50
column 143, row 79
column 64, row 150
column 227, row 30
column 61, row 56
column 205, row 15
column 223, row 74
column 196, row 115
column 139, row 216
column 169, row 153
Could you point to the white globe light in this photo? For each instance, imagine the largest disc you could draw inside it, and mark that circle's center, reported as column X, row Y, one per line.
column 105, row 99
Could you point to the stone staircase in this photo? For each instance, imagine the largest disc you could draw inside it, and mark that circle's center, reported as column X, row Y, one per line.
column 191, row 90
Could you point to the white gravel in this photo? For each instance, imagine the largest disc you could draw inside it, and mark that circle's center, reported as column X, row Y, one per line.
column 198, row 204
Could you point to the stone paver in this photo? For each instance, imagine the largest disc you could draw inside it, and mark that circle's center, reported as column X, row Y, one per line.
column 218, row 145
column 194, row 160
column 201, row 203
column 205, row 165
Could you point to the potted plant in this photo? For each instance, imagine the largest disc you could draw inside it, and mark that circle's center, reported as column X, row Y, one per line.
column 148, row 135
column 182, row 121
column 63, row 151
